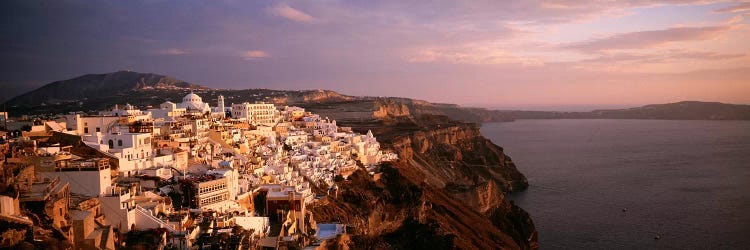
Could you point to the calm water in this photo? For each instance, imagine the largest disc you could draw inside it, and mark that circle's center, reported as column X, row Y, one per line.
column 687, row 181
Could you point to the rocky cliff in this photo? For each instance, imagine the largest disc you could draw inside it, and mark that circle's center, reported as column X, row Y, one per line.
column 386, row 108
column 460, row 160
column 447, row 190
column 310, row 96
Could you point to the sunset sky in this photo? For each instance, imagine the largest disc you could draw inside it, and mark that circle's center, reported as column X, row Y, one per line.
column 567, row 54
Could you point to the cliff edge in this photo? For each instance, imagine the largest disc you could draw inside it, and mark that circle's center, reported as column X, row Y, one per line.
column 447, row 190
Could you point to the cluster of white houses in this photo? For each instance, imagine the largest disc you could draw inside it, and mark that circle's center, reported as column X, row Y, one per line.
column 246, row 165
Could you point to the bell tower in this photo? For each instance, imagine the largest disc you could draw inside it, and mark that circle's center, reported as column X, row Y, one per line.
column 220, row 105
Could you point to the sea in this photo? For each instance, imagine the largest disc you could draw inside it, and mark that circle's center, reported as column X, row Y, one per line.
column 632, row 184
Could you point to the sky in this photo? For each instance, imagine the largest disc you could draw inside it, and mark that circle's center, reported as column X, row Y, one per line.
column 564, row 54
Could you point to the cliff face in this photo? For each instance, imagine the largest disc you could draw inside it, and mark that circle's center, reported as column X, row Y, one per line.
column 394, row 107
column 389, row 108
column 447, row 190
column 461, row 161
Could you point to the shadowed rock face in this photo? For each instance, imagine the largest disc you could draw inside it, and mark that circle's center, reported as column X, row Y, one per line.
column 389, row 108
column 461, row 161
column 445, row 191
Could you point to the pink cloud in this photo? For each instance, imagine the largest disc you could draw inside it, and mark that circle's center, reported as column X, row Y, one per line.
column 286, row 11
column 254, row 54
column 468, row 54
column 741, row 7
column 662, row 57
column 663, row 61
column 172, row 52
column 650, row 38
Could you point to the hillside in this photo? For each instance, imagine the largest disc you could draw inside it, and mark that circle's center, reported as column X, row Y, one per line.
column 93, row 86
column 102, row 91
column 686, row 110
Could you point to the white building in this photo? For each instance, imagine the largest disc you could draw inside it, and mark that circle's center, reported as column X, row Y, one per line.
column 90, row 177
column 255, row 113
column 171, row 158
column 232, row 179
column 296, row 139
column 220, row 110
column 368, row 149
column 132, row 150
column 90, row 125
column 259, row 225
column 167, row 111
column 215, row 192
column 128, row 111
column 118, row 208
column 194, row 104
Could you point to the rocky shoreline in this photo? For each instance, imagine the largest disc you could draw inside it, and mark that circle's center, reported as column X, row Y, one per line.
column 447, row 190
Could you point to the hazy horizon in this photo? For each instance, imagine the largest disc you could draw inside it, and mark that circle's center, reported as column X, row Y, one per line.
column 530, row 107
column 558, row 54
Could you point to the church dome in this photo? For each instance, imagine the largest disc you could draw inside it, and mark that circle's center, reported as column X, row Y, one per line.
column 192, row 98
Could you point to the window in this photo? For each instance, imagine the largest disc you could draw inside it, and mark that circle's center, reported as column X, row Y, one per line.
column 98, row 130
column 119, row 142
column 85, row 130
column 111, row 144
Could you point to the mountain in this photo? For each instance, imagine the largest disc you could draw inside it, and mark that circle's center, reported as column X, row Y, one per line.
column 685, row 110
column 102, row 91
column 93, row 86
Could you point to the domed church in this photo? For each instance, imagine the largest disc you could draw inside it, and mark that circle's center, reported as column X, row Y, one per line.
column 194, row 104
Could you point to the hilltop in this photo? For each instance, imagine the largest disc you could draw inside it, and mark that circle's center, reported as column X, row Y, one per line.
column 92, row 86
column 102, row 91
